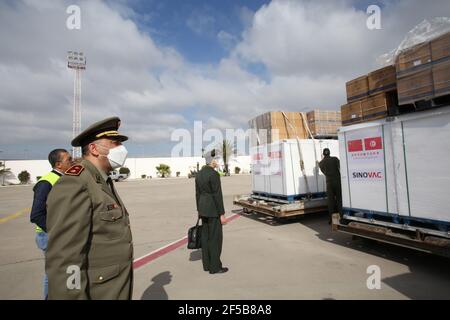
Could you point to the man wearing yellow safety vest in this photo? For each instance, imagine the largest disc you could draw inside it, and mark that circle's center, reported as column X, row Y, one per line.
column 60, row 160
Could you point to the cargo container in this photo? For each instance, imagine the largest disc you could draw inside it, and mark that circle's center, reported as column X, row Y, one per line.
column 396, row 180
column 288, row 169
column 286, row 180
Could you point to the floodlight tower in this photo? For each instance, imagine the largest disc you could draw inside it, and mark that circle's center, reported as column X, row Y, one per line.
column 76, row 61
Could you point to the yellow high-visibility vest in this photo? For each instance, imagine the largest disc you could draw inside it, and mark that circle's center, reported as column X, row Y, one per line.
column 51, row 178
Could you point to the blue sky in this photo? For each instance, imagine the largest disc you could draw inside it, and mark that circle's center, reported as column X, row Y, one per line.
column 192, row 26
column 160, row 65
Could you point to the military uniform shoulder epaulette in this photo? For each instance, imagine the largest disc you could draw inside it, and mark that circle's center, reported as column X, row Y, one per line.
column 74, row 170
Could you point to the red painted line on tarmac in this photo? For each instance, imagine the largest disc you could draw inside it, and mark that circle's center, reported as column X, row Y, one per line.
column 142, row 261
column 158, row 253
column 233, row 217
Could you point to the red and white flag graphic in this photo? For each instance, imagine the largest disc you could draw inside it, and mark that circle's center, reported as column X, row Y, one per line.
column 373, row 143
column 355, row 146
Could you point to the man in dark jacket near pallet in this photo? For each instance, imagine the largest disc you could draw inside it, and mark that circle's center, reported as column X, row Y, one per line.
column 330, row 167
column 211, row 210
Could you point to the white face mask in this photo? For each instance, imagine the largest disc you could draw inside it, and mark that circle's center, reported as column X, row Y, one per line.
column 117, row 156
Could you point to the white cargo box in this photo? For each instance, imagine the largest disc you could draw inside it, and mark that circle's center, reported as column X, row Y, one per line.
column 276, row 167
column 398, row 168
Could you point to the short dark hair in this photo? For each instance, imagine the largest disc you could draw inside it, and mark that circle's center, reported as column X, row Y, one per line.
column 326, row 152
column 85, row 150
column 55, row 155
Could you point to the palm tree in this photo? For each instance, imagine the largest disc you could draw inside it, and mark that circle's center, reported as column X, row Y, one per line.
column 226, row 150
column 3, row 168
column 163, row 170
column 4, row 171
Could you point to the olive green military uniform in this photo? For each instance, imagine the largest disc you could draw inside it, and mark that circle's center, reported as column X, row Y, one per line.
column 90, row 249
column 210, row 208
column 331, row 169
column 88, row 228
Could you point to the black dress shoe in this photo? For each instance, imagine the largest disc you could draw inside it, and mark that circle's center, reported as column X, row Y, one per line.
column 223, row 270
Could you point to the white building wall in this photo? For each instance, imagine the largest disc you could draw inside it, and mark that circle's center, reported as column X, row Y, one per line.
column 137, row 166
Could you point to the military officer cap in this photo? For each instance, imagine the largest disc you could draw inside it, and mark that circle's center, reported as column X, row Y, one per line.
column 210, row 156
column 107, row 128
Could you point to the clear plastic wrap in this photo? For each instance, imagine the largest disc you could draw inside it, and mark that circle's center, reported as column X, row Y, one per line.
column 425, row 31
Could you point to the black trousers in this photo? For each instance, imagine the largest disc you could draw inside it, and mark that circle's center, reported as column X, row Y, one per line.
column 334, row 194
column 212, row 239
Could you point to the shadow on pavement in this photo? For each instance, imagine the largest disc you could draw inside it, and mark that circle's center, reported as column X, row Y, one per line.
column 156, row 290
column 196, row 255
column 428, row 278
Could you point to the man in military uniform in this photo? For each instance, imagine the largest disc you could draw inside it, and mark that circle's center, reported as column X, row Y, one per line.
column 210, row 208
column 330, row 167
column 90, row 249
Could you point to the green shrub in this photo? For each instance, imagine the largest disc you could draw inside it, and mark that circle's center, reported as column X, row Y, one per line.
column 24, row 177
column 124, row 170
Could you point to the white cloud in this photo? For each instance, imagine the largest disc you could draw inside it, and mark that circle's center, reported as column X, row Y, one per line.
column 226, row 39
column 309, row 48
column 201, row 22
column 316, row 38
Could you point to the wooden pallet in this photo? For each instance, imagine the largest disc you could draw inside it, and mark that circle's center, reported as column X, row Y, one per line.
column 417, row 239
column 281, row 210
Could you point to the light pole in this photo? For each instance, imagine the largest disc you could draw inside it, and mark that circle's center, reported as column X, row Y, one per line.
column 77, row 61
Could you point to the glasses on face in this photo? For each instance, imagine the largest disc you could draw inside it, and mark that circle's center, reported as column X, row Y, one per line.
column 68, row 160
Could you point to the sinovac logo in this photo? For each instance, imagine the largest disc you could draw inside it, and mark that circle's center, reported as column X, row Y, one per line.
column 368, row 175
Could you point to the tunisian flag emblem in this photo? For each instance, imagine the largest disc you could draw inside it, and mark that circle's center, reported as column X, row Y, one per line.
column 373, row 143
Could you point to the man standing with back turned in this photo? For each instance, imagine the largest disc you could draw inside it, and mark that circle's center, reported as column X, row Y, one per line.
column 210, row 208
column 330, row 167
column 90, row 249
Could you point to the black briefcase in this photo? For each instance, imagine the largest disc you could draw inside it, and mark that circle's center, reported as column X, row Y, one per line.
column 194, row 236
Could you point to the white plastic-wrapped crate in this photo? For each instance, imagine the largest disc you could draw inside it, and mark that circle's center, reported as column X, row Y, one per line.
column 276, row 167
column 398, row 168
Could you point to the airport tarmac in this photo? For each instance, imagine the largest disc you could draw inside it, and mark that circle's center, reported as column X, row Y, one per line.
column 298, row 259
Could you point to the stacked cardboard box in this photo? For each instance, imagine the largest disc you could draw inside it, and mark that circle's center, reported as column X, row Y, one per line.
column 274, row 126
column 324, row 123
column 423, row 71
column 370, row 97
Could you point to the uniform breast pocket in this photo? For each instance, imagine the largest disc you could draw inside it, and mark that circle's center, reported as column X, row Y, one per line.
column 112, row 225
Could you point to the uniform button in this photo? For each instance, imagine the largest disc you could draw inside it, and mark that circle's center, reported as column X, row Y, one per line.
column 100, row 278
